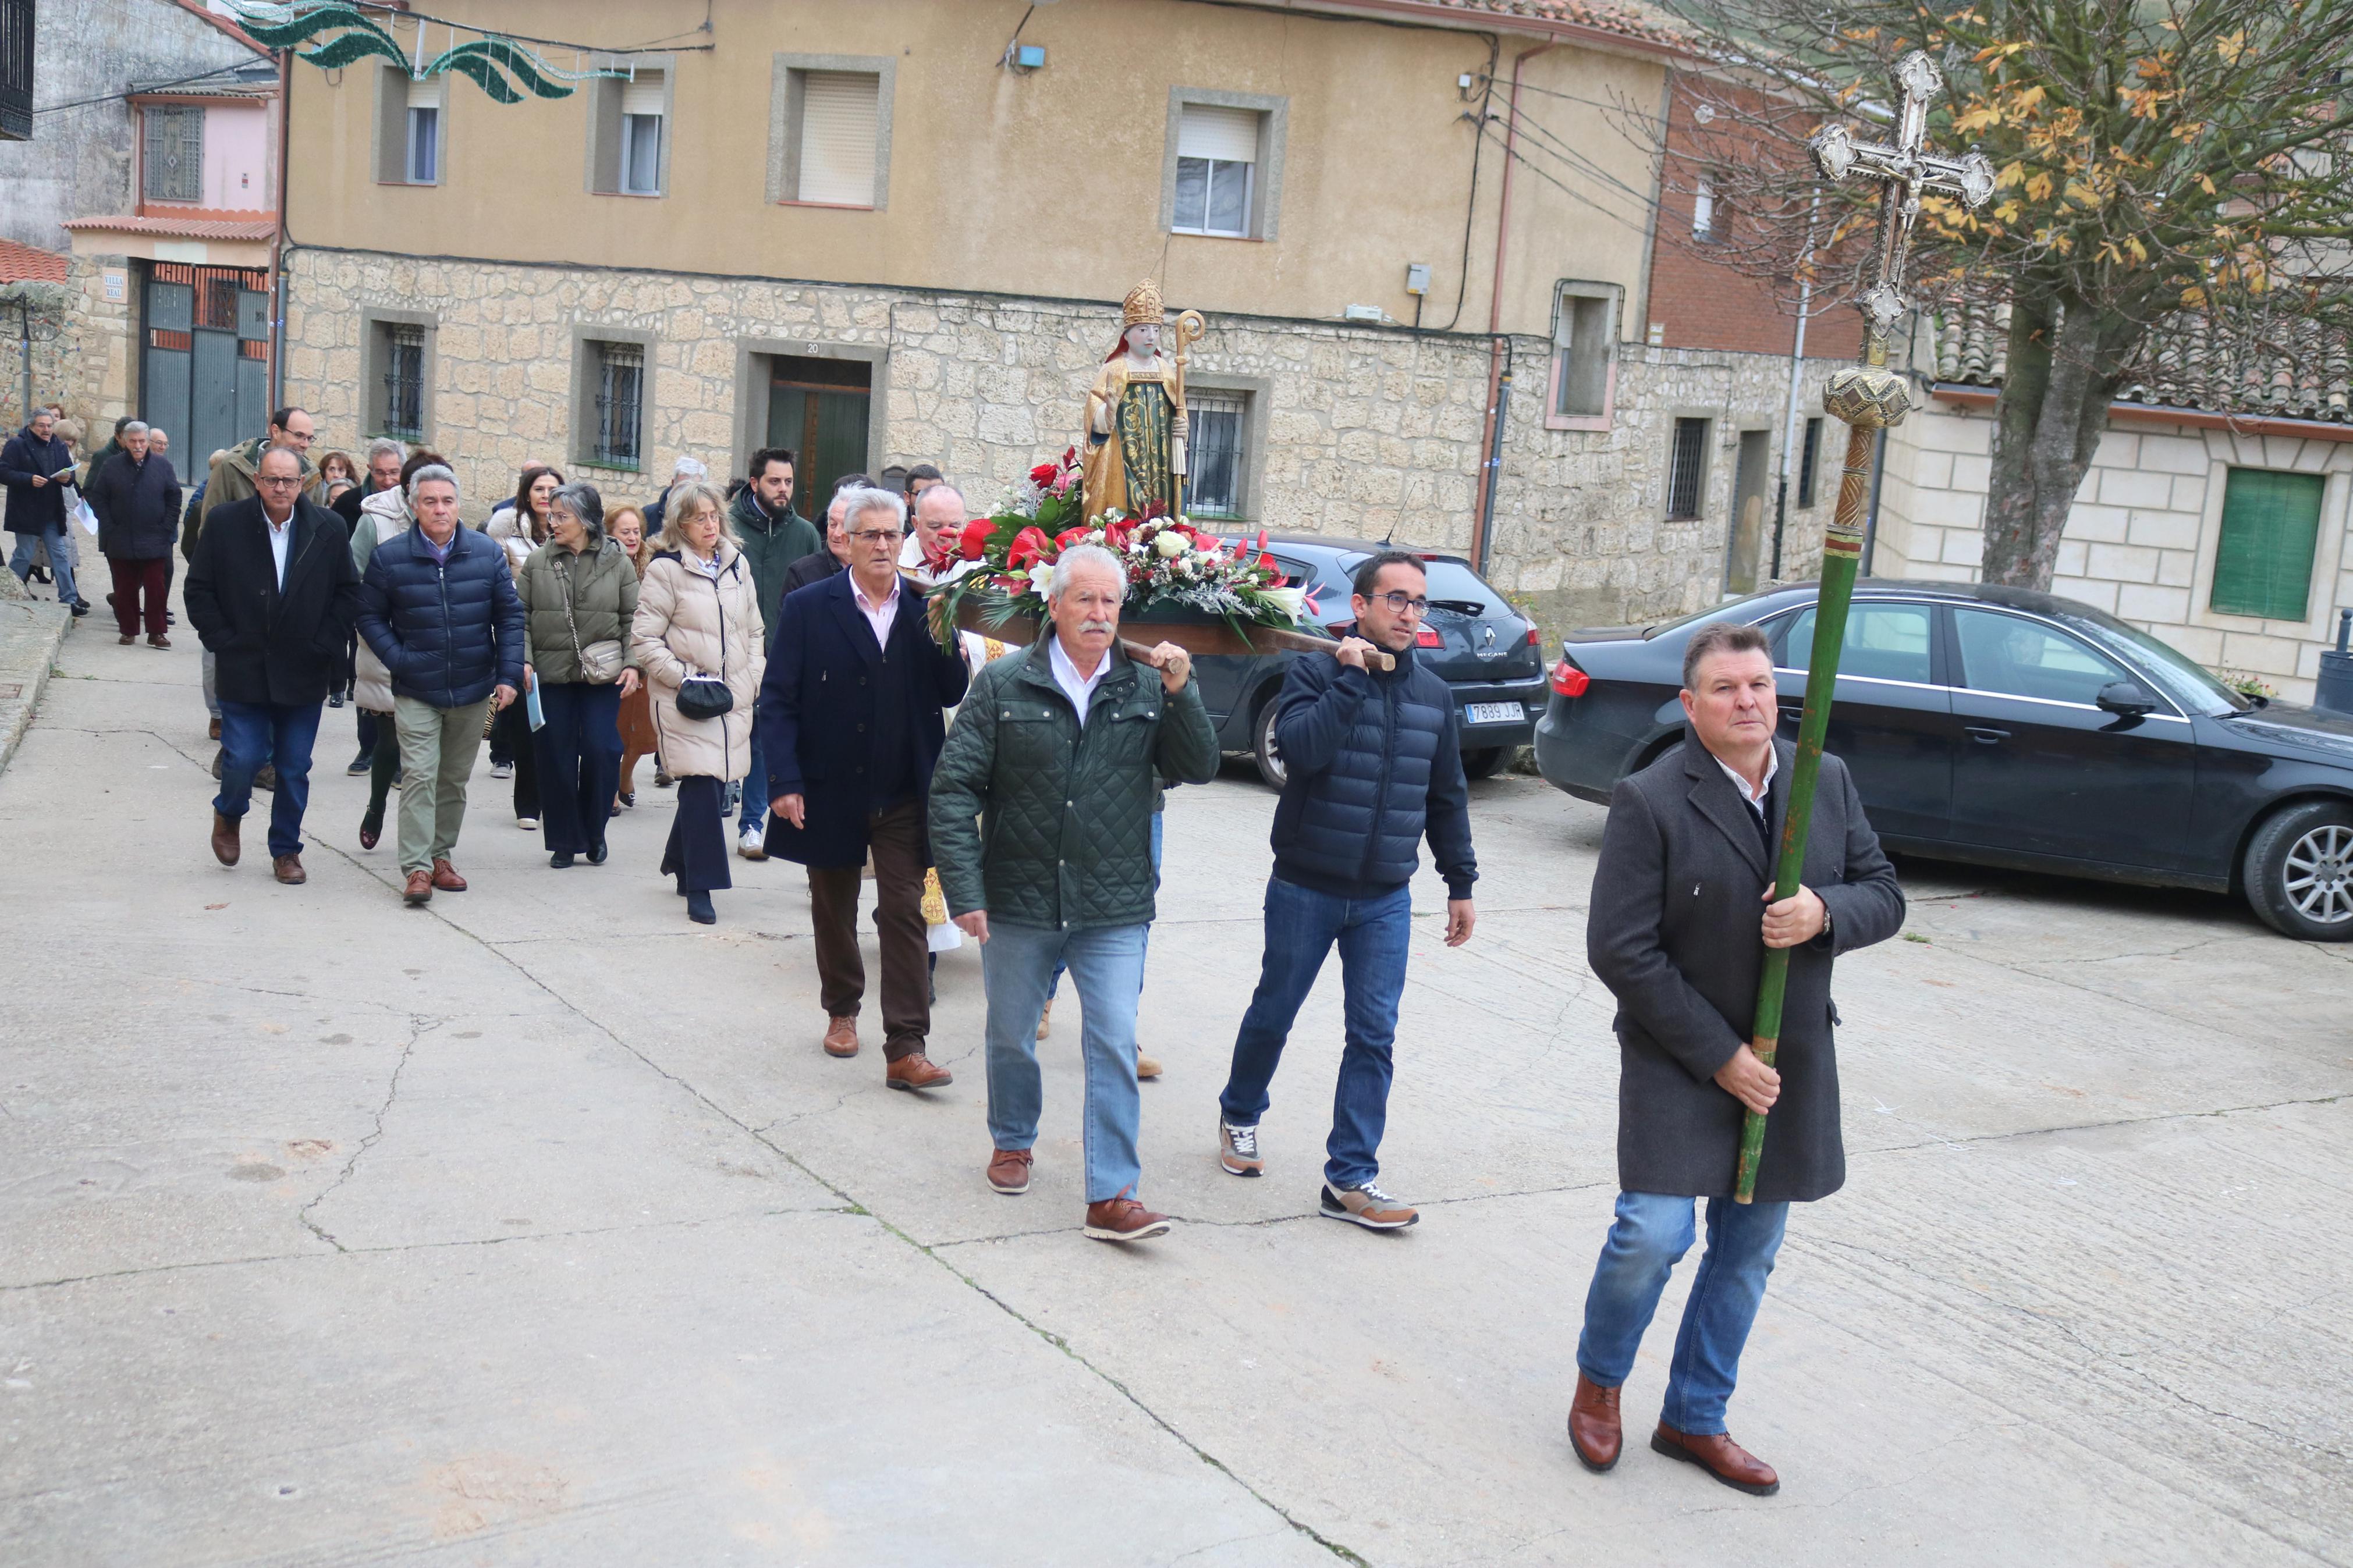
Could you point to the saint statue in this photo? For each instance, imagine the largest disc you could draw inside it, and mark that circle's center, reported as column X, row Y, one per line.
column 1135, row 424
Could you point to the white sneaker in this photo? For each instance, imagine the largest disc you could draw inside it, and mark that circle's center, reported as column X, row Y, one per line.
column 1238, row 1149
column 528, row 824
column 753, row 845
column 503, row 770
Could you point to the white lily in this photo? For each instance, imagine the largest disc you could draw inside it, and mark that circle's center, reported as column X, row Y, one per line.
column 1041, row 577
column 1290, row 600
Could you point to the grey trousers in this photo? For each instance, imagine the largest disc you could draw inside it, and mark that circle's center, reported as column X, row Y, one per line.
column 437, row 748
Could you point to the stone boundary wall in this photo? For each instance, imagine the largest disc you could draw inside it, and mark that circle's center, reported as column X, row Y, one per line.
column 1356, row 433
column 2140, row 539
column 87, row 366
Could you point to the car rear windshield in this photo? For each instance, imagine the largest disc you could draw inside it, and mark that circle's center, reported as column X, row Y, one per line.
column 1452, row 586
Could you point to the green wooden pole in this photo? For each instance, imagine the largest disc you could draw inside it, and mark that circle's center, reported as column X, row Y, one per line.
column 1866, row 397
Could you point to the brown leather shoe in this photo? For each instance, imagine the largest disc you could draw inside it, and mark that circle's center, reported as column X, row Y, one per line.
column 126, row 639
column 916, row 1071
column 287, row 868
column 1720, row 1457
column 420, row 887
column 156, row 640
column 841, row 1037
column 1147, row 1068
column 1046, row 1018
column 1008, row 1172
column 1593, row 1427
column 213, row 733
column 446, row 878
column 1124, row 1219
column 226, row 848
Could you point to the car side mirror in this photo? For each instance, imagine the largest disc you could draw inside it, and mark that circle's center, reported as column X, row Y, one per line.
column 2129, row 698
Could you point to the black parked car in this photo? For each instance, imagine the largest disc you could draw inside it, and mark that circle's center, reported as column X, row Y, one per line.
column 2010, row 727
column 1488, row 652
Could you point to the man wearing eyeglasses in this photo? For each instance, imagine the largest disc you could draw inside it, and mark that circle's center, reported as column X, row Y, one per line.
column 272, row 593
column 1373, row 765
column 850, row 727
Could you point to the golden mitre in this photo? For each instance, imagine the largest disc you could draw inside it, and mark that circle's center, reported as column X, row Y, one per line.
column 1142, row 305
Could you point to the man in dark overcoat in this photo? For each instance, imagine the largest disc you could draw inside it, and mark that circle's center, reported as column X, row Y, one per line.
column 271, row 593
column 850, row 731
column 1687, row 863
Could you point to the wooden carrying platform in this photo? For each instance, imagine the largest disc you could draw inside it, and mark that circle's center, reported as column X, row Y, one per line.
column 1197, row 637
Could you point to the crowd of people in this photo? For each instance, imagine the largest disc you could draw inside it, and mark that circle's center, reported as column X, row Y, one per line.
column 789, row 685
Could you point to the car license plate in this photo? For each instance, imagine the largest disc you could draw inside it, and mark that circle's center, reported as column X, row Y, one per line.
column 1495, row 712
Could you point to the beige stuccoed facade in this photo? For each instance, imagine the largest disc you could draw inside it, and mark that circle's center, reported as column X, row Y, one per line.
column 1011, row 212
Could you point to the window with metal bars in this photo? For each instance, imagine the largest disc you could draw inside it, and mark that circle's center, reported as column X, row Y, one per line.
column 404, row 381
column 172, row 157
column 1213, row 453
column 1687, row 471
column 1810, row 457
column 15, row 70
column 621, row 398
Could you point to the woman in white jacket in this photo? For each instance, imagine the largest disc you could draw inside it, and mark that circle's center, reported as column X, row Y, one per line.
column 699, row 615
column 520, row 529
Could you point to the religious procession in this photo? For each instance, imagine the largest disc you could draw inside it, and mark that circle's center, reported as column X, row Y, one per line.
column 1748, row 665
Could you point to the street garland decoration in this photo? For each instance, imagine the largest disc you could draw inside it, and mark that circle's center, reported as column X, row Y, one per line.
column 489, row 61
column 1175, row 571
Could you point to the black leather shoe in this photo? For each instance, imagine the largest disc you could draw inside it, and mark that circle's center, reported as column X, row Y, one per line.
column 596, row 857
column 561, row 860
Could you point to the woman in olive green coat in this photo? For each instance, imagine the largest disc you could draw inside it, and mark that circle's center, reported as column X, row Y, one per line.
column 580, row 593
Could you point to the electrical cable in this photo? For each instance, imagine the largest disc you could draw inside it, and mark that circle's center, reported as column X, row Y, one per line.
column 652, row 46
column 150, row 86
column 1471, row 207
column 1564, row 188
column 1560, row 149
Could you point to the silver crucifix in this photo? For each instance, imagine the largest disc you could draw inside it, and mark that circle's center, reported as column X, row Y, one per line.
column 1904, row 171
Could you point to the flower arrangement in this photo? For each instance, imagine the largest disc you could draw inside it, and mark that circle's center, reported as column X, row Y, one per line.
column 1175, row 571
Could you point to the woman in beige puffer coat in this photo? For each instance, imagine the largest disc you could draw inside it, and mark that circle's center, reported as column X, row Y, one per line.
column 699, row 614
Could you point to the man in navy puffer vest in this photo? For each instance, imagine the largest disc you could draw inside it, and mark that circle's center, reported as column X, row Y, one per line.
column 1373, row 765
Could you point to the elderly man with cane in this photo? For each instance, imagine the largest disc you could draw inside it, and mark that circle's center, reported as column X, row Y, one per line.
column 1686, row 867
column 1060, row 746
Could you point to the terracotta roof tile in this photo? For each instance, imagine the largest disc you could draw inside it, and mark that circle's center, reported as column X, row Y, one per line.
column 1633, row 21
column 2187, row 365
column 23, row 263
column 182, row 229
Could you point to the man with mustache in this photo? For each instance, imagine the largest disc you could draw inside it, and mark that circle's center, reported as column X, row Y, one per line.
column 1061, row 745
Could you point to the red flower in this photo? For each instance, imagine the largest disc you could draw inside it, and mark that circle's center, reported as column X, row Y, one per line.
column 1030, row 546
column 975, row 541
column 1043, row 474
column 1070, row 456
column 1115, row 537
column 1068, row 537
column 1153, row 508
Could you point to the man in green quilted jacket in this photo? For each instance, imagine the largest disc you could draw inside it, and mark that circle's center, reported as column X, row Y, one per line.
column 1058, row 747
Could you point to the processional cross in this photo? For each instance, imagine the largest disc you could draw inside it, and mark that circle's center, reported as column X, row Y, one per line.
column 1867, row 398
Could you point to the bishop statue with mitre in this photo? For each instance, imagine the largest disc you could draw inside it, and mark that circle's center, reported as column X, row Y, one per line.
column 1135, row 424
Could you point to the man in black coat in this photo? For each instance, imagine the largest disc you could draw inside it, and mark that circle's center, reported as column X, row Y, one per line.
column 271, row 593
column 1687, row 862
column 137, row 499
column 851, row 720
column 1373, row 763
column 36, row 468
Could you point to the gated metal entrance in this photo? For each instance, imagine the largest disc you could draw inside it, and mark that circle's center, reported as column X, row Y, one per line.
column 205, row 367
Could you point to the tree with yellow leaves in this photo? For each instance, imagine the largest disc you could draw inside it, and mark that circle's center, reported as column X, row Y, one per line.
column 2168, row 169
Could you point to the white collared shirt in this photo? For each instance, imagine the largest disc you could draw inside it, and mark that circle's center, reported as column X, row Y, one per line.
column 279, row 537
column 879, row 617
column 1079, row 688
column 1763, row 790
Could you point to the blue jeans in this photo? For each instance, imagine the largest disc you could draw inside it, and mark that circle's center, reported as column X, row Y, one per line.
column 1651, row 1233
column 1016, row 962
column 60, row 559
column 1302, row 924
column 755, row 787
column 253, row 734
column 1054, row 987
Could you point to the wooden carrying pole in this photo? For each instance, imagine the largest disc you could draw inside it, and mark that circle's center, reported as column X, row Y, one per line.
column 1199, row 638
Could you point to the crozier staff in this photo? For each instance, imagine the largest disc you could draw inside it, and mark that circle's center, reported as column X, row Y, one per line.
column 1687, row 865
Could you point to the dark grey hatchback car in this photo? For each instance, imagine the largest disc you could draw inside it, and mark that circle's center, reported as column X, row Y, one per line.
column 1488, row 654
column 2010, row 727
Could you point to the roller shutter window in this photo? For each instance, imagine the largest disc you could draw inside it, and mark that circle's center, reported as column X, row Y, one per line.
column 424, row 162
column 173, row 156
column 642, row 99
column 1217, row 158
column 839, row 130
column 2263, row 561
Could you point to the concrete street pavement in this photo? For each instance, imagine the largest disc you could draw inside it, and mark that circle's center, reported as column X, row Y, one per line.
column 535, row 1227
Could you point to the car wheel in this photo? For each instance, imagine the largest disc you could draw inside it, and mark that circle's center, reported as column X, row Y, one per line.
column 1487, row 763
column 2299, row 872
column 1265, row 752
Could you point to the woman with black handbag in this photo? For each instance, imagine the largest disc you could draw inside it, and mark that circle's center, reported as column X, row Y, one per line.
column 580, row 593
column 702, row 645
